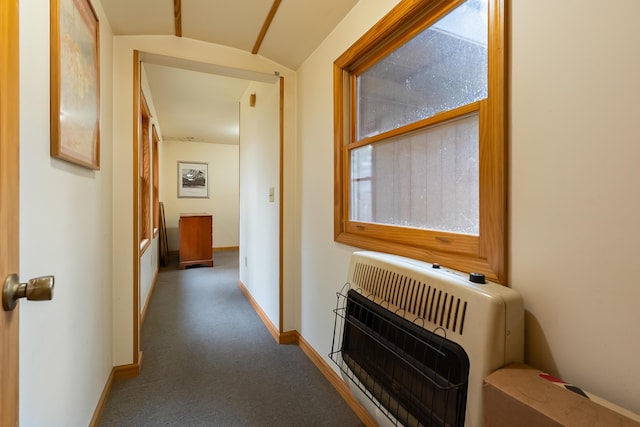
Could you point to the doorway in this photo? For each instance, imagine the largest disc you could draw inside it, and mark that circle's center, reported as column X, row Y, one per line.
column 257, row 177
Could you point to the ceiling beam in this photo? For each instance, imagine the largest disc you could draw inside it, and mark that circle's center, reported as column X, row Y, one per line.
column 265, row 27
column 177, row 17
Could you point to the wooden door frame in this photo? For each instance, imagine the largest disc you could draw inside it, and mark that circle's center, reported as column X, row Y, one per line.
column 9, row 205
column 133, row 369
column 137, row 99
column 281, row 336
column 281, row 220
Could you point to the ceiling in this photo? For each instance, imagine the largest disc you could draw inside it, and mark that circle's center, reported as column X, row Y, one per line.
column 195, row 103
column 195, row 106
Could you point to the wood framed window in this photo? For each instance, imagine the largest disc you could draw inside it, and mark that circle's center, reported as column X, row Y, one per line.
column 155, row 180
column 420, row 164
column 145, row 176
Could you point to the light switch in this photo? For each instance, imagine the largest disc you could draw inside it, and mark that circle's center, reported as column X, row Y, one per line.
column 271, row 191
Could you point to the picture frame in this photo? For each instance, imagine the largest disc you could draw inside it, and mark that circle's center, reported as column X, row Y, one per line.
column 75, row 83
column 193, row 179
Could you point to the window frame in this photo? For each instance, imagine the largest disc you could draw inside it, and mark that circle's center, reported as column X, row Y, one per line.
column 485, row 253
column 155, row 171
column 144, row 176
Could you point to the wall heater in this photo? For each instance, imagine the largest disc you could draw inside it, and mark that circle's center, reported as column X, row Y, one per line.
column 414, row 341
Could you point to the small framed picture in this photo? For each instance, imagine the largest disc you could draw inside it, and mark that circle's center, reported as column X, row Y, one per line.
column 193, row 179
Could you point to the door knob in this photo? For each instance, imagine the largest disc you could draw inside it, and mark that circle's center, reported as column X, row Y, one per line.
column 37, row 289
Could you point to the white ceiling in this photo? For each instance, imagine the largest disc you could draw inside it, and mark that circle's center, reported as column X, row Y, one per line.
column 195, row 106
column 196, row 103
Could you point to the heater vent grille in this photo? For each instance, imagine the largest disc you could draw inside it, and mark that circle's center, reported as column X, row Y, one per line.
column 403, row 293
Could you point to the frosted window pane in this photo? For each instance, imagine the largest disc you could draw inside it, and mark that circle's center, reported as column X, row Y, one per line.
column 361, row 184
column 440, row 69
column 428, row 179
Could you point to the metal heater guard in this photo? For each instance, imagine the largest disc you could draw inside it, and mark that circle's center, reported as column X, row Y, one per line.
column 414, row 376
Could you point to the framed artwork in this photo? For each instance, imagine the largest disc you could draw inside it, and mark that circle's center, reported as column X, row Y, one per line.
column 193, row 179
column 75, row 83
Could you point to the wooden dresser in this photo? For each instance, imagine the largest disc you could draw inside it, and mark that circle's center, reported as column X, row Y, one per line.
column 196, row 241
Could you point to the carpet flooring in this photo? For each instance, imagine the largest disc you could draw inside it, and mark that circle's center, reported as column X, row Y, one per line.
column 208, row 360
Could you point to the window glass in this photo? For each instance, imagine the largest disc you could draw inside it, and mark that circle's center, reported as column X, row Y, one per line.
column 427, row 179
column 440, row 69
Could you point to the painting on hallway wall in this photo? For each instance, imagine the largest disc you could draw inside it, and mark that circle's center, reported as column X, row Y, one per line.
column 193, row 179
column 75, row 83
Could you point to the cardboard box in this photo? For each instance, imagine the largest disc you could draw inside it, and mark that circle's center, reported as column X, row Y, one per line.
column 518, row 395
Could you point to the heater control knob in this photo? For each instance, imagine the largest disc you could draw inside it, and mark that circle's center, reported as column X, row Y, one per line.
column 477, row 278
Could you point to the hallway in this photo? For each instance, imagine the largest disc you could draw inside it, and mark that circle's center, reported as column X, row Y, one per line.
column 208, row 360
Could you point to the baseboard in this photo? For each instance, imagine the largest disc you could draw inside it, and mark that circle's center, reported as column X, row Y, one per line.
column 294, row 337
column 226, row 248
column 97, row 414
column 275, row 333
column 127, row 371
column 337, row 382
column 216, row 249
column 289, row 337
column 117, row 372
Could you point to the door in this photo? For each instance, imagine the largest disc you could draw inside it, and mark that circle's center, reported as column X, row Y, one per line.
column 9, row 191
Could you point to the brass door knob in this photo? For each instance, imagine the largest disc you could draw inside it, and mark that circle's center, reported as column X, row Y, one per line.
column 37, row 289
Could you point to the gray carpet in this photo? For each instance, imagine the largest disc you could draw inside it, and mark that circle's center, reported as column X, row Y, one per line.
column 208, row 360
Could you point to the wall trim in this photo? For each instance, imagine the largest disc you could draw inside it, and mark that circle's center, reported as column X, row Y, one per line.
column 226, row 248
column 97, row 414
column 294, row 337
column 336, row 381
column 117, row 373
column 289, row 337
column 275, row 333
column 281, row 207
column 216, row 249
column 137, row 250
column 128, row 371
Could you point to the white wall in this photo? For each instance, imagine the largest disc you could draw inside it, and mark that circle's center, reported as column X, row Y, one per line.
column 65, row 230
column 260, row 172
column 223, row 200
column 574, row 207
column 323, row 262
column 123, row 156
